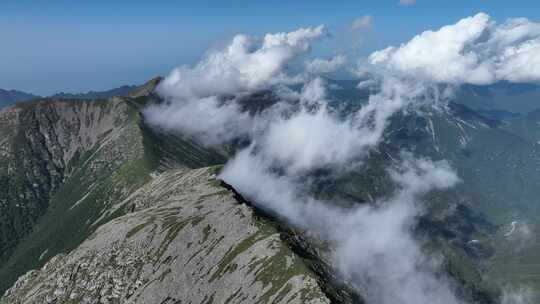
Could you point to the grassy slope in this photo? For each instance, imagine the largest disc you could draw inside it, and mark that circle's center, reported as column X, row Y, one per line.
column 96, row 185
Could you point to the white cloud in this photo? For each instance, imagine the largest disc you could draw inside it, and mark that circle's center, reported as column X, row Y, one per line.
column 407, row 2
column 373, row 245
column 314, row 92
column 474, row 50
column 322, row 66
column 374, row 248
column 247, row 64
column 194, row 105
column 319, row 137
column 363, row 23
column 207, row 120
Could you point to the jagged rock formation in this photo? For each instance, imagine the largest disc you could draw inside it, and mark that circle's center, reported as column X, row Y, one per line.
column 187, row 241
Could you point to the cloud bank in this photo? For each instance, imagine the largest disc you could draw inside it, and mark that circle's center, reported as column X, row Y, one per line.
column 475, row 50
column 373, row 245
column 247, row 64
column 300, row 133
column 195, row 104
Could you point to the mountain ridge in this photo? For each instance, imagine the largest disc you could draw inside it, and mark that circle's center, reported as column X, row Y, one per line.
column 103, row 130
column 83, row 204
column 8, row 97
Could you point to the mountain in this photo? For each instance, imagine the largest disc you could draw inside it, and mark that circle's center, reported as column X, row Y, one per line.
column 499, row 169
column 13, row 96
column 101, row 207
column 122, row 91
column 100, row 202
column 8, row 97
column 185, row 239
column 473, row 224
column 503, row 96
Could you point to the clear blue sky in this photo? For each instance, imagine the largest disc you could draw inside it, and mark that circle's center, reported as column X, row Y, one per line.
column 48, row 46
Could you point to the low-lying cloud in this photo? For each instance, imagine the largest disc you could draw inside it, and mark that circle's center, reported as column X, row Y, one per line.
column 301, row 132
column 290, row 141
column 373, row 245
column 195, row 104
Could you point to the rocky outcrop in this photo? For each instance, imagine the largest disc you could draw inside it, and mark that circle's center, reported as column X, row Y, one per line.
column 188, row 240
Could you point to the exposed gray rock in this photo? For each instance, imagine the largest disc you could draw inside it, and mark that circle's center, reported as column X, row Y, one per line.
column 187, row 241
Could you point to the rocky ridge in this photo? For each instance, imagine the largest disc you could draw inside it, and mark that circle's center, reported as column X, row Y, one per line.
column 124, row 214
column 187, row 241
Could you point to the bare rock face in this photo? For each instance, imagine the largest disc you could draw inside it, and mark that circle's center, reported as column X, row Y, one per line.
column 187, row 241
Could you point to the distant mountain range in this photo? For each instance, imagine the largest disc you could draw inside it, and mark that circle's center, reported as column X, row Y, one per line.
column 122, row 91
column 503, row 100
column 505, row 96
column 12, row 96
column 8, row 97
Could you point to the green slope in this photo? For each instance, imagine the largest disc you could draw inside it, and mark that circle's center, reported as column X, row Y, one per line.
column 82, row 191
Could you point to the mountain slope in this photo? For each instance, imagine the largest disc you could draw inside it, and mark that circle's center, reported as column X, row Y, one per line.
column 470, row 223
column 187, row 240
column 100, row 169
column 506, row 96
column 63, row 163
column 95, row 163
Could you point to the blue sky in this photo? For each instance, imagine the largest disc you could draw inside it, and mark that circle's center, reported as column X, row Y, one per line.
column 52, row 46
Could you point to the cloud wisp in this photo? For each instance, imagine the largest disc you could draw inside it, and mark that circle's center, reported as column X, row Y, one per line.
column 407, row 2
column 324, row 66
column 363, row 23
